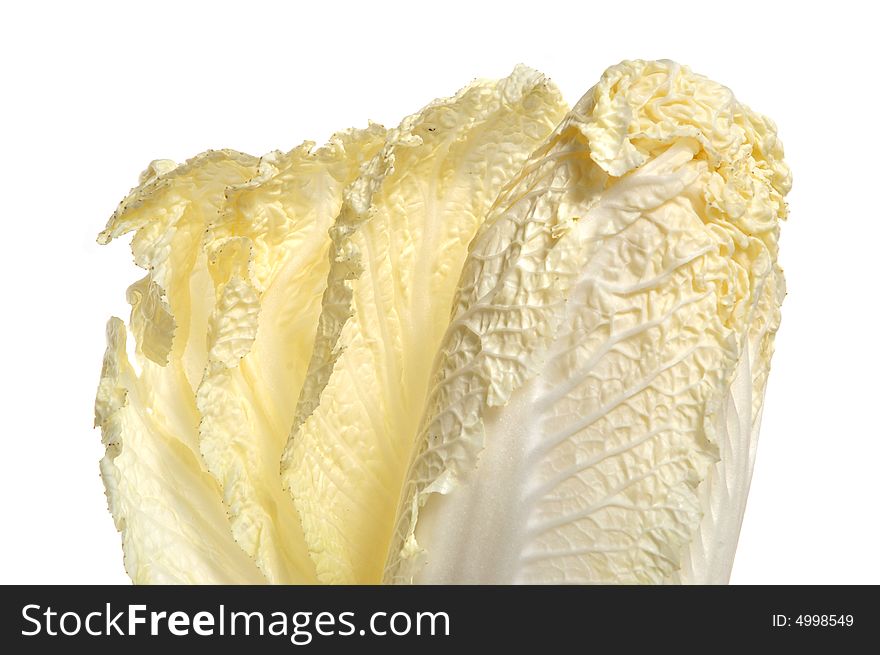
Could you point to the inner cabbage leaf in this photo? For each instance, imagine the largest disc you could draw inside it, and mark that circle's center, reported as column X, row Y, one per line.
column 399, row 244
column 167, row 506
column 268, row 259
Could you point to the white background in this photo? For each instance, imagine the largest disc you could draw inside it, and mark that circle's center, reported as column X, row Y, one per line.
column 91, row 93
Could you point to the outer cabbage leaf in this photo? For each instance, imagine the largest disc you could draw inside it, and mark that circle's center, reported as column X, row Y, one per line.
column 399, row 243
column 596, row 398
column 268, row 256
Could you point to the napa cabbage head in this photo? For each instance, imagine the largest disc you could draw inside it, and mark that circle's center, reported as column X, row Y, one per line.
column 505, row 341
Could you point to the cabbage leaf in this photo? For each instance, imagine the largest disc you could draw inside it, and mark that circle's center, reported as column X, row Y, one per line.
column 164, row 502
column 399, row 243
column 597, row 395
column 268, row 258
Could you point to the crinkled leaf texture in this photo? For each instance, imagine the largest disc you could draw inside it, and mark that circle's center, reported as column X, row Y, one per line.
column 269, row 259
column 503, row 342
column 399, row 245
column 163, row 500
column 596, row 402
column 237, row 254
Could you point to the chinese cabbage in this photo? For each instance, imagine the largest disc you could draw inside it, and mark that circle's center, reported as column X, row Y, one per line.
column 504, row 342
